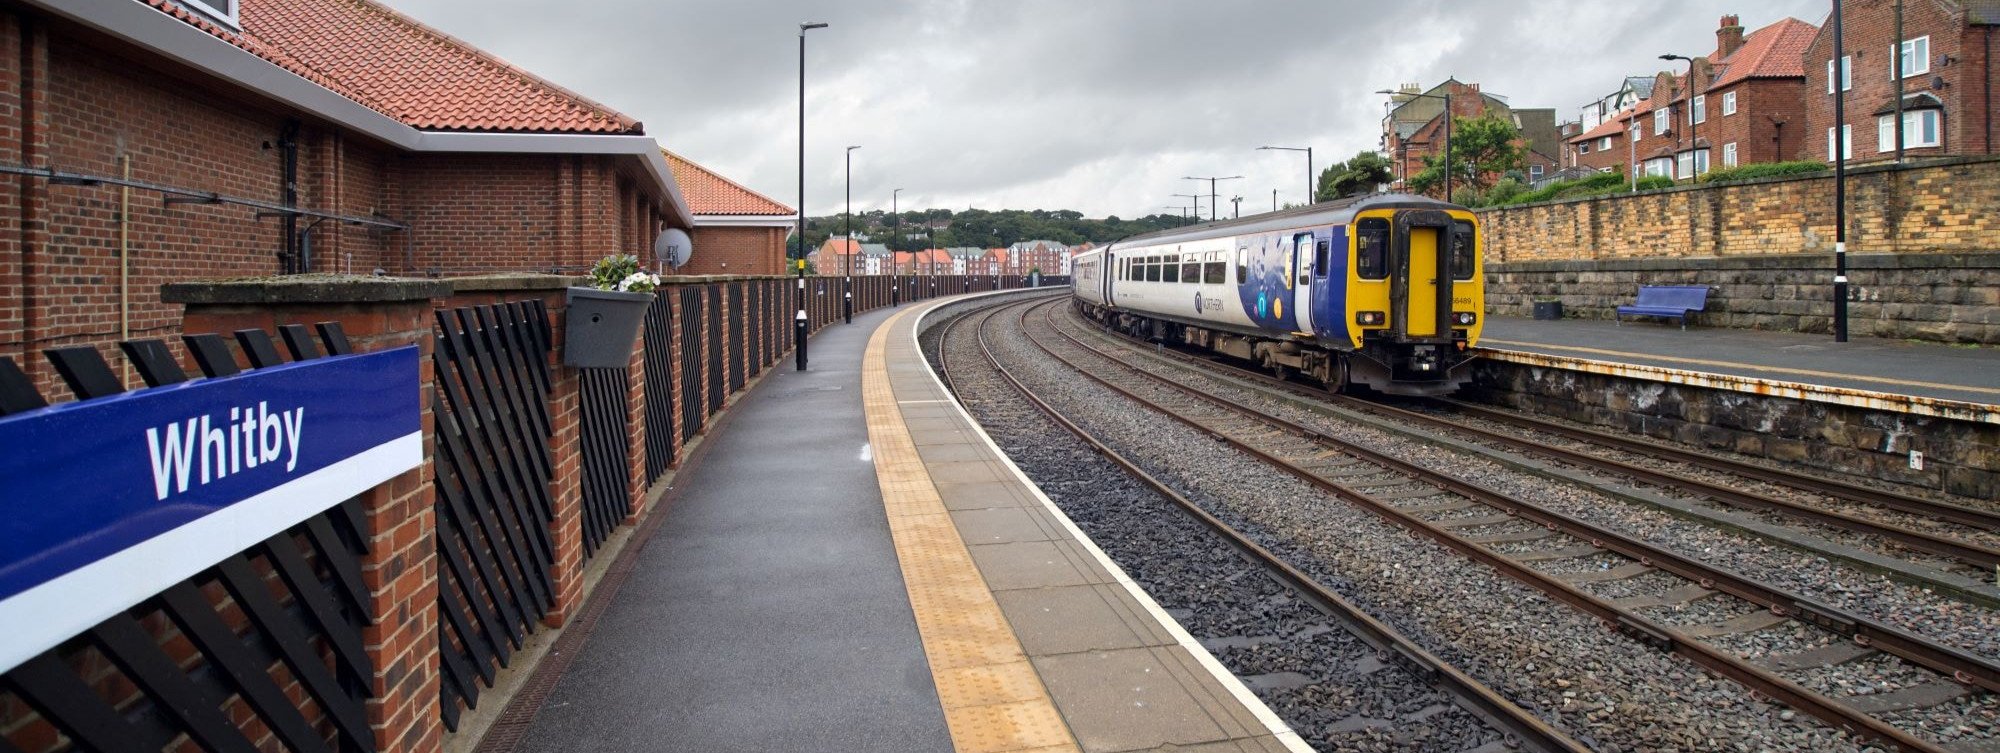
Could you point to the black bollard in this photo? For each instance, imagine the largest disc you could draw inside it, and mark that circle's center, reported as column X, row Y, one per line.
column 799, row 337
column 847, row 308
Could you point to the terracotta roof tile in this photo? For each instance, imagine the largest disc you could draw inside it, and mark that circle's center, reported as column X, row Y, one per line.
column 1775, row 51
column 394, row 65
column 707, row 192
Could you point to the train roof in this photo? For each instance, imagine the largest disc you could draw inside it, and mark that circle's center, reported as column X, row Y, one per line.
column 1325, row 212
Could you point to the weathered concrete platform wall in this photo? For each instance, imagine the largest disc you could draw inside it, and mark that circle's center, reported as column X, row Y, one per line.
column 1943, row 297
column 1960, row 457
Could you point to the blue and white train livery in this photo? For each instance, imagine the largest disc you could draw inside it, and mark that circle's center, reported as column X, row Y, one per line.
column 1384, row 291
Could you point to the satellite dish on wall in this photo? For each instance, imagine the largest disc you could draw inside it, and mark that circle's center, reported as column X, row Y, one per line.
column 673, row 247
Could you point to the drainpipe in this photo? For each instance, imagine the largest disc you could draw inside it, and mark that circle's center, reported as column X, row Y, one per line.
column 288, row 146
column 125, row 263
column 1987, row 76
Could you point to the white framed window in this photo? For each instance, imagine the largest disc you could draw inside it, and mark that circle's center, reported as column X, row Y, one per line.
column 1698, row 111
column 220, row 10
column 1846, row 142
column 1920, row 129
column 1691, row 163
column 1534, row 173
column 1729, row 154
column 1583, row 148
column 1660, row 166
column 1916, row 58
column 1728, row 103
column 1604, row 144
column 1661, row 118
column 1846, row 74
column 1636, row 131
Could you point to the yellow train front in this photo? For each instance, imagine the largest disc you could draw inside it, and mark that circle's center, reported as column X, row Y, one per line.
column 1384, row 291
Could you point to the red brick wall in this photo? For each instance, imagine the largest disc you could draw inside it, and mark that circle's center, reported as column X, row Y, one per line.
column 1869, row 37
column 1768, row 126
column 736, row 251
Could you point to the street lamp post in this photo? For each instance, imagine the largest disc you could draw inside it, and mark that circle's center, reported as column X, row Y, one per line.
column 1446, row 96
column 847, row 284
column 1274, row 200
column 1840, row 179
column 799, row 321
column 896, row 274
column 1214, row 207
column 1310, row 193
column 1694, row 144
column 1235, row 207
column 1194, row 201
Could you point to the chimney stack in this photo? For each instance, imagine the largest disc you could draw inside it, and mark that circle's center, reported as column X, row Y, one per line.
column 1728, row 37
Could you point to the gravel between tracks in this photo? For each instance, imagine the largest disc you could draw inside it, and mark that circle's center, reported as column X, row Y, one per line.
column 1608, row 690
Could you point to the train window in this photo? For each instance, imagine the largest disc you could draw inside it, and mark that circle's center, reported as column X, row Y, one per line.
column 1215, row 272
column 1152, row 269
column 1190, row 271
column 1462, row 247
column 1242, row 265
column 1371, row 249
column 1320, row 259
column 1170, row 271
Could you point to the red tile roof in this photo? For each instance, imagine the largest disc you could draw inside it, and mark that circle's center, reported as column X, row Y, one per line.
column 394, row 65
column 707, row 192
column 1775, row 51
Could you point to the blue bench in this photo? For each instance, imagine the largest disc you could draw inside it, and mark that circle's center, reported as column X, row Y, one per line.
column 1669, row 301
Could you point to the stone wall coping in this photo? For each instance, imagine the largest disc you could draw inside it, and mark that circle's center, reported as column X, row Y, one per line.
column 1827, row 174
column 505, row 281
column 1984, row 260
column 308, row 288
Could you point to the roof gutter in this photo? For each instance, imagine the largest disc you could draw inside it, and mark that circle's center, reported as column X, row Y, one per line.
column 148, row 28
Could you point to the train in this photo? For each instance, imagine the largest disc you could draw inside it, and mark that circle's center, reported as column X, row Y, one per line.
column 1384, row 292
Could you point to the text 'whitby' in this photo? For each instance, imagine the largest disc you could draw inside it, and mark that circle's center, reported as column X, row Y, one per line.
column 251, row 437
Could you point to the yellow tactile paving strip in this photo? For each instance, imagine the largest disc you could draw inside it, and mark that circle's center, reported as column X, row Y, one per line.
column 993, row 700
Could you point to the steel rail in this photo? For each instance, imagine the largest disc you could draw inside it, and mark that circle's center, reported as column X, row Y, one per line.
column 1519, row 724
column 1961, row 666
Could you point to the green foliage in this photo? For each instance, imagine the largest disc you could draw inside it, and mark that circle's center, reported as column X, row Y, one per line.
column 1358, row 175
column 621, row 272
column 1601, row 184
column 1481, row 148
column 1763, row 170
column 982, row 228
column 1505, row 191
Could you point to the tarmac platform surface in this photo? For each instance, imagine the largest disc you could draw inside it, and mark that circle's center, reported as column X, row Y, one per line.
column 1863, row 364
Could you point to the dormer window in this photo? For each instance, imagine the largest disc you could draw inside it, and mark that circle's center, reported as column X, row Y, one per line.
column 222, row 11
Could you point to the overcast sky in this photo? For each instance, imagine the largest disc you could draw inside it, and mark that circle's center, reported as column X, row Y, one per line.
column 1099, row 106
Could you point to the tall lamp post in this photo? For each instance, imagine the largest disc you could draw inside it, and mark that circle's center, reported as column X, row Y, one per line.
column 1840, row 147
column 1194, row 202
column 799, row 320
column 847, row 218
column 1309, row 169
column 1446, row 96
column 1694, row 143
column 1214, row 207
column 896, row 238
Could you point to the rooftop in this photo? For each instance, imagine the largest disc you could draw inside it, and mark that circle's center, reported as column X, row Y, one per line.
column 709, row 193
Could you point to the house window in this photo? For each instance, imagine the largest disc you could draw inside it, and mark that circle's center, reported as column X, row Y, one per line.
column 1661, row 118
column 1920, row 129
column 1846, row 74
column 220, row 10
column 1534, row 173
column 1583, row 148
column 1916, row 58
column 1729, row 103
column 1729, row 154
column 1660, row 166
column 1698, row 112
column 1604, row 144
column 1636, row 131
column 1846, row 143
column 1692, row 163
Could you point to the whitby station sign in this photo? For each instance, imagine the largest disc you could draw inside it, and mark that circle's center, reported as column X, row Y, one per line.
column 105, row 502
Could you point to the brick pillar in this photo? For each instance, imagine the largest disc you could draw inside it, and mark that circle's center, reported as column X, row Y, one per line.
column 400, row 569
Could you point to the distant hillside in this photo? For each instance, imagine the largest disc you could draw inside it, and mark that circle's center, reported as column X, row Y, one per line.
column 943, row 228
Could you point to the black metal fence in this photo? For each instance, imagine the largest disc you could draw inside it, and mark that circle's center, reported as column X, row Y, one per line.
column 268, row 639
column 659, row 387
column 715, row 378
column 492, row 468
column 693, row 310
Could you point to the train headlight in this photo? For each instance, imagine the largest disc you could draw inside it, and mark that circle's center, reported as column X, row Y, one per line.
column 1465, row 318
column 1369, row 317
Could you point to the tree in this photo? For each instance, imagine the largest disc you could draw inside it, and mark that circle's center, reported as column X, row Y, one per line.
column 1358, row 175
column 1482, row 149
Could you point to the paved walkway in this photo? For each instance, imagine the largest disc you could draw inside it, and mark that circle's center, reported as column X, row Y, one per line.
column 767, row 613
column 1863, row 364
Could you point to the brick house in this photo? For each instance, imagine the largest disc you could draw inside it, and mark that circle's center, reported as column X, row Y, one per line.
column 1747, row 108
column 1413, row 129
column 1045, row 256
column 1948, row 80
column 405, row 151
column 737, row 231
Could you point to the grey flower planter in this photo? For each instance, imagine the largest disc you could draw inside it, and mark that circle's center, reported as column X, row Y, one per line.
column 601, row 327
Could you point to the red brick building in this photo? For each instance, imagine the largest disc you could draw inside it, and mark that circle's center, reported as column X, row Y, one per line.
column 289, row 135
column 1948, row 80
column 737, row 231
column 1747, row 108
column 1414, row 128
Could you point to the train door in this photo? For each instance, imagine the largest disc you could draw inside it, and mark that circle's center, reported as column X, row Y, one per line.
column 1424, row 281
column 1302, row 276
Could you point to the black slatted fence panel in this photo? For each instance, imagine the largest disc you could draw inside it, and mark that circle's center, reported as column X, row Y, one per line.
column 492, row 468
column 716, row 378
column 737, row 343
column 692, row 302
column 279, row 621
column 753, row 328
column 659, row 387
column 606, row 453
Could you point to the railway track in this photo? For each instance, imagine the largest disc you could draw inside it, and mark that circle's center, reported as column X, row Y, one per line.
column 1518, row 728
column 1479, row 523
